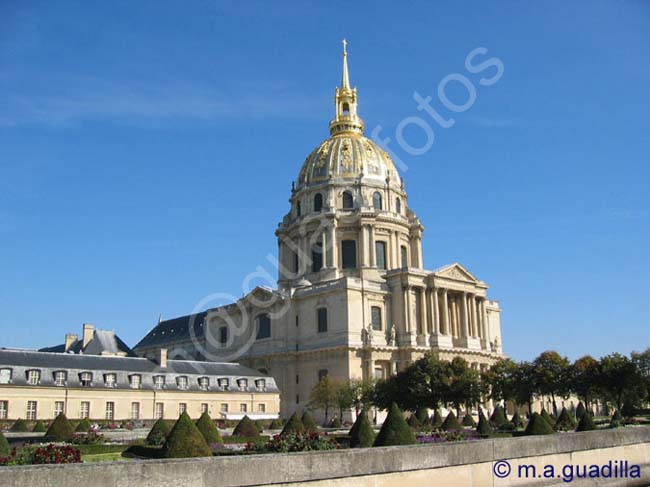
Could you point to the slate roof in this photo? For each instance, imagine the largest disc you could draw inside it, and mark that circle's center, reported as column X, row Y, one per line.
column 174, row 330
column 102, row 341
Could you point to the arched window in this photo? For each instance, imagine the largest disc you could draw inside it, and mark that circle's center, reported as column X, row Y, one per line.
column 317, row 257
column 348, row 201
column 376, row 200
column 405, row 256
column 346, row 109
column 380, row 254
column 223, row 336
column 349, row 254
column 298, row 209
column 263, row 326
column 321, row 315
column 398, row 206
column 318, row 202
column 375, row 316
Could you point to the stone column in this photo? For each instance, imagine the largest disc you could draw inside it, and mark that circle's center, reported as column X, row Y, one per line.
column 454, row 316
column 486, row 323
column 445, row 312
column 435, row 317
column 418, row 245
column 324, row 248
column 472, row 309
column 407, row 309
column 335, row 246
column 421, row 311
column 465, row 317
column 373, row 257
column 363, row 241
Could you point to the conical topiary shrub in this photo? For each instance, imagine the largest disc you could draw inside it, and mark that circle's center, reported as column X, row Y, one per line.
column 451, row 423
column 395, row 431
column 617, row 419
column 335, row 422
column 185, row 440
column 516, row 420
column 423, row 416
column 308, row 422
column 5, row 449
column 538, row 426
column 468, row 420
column 586, row 423
column 498, row 416
column 565, row 421
column 414, row 423
column 294, row 425
column 84, row 425
column 362, row 435
column 19, row 426
column 276, row 424
column 60, row 429
column 436, row 421
column 246, row 427
column 158, row 433
column 547, row 417
column 39, row 427
column 580, row 410
column 483, row 428
column 208, row 429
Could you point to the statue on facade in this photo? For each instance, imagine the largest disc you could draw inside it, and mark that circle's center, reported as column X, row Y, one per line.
column 370, row 333
column 364, row 335
column 391, row 336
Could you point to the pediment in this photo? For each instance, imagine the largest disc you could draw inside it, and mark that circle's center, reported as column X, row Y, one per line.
column 457, row 272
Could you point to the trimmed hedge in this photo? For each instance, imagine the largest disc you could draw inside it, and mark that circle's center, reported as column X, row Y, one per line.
column 209, row 430
column 586, row 423
column 362, row 435
column 547, row 417
column 294, row 425
column 239, row 440
column 60, row 429
column 423, row 416
column 538, row 426
column 20, row 426
column 276, row 424
column 158, row 433
column 308, row 422
column 468, row 420
column 580, row 410
column 335, row 422
column 565, row 421
column 98, row 449
column 498, row 416
column 185, row 440
column 414, row 423
column 436, row 420
column 395, row 431
column 39, row 427
column 516, row 420
column 451, row 423
column 83, row 426
column 483, row 428
column 144, row 452
column 5, row 450
column 246, row 427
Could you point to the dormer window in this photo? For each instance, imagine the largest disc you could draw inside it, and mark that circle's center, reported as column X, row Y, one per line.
column 135, row 381
column 242, row 384
column 224, row 383
column 159, row 382
column 181, row 382
column 5, row 376
column 33, row 377
column 260, row 384
column 60, row 378
column 204, row 383
column 86, row 379
column 110, row 380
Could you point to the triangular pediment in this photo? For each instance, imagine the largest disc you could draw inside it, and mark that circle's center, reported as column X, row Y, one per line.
column 457, row 272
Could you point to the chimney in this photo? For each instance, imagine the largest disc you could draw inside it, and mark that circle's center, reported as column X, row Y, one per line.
column 162, row 358
column 70, row 339
column 89, row 332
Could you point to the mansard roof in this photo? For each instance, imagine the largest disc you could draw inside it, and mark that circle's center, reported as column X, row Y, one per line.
column 103, row 342
column 176, row 330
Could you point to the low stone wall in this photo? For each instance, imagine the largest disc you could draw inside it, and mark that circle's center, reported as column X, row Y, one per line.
column 466, row 463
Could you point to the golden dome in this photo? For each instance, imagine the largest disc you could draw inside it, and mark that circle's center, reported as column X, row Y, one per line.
column 347, row 156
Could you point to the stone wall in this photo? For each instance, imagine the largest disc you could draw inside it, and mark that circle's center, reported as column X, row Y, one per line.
column 469, row 463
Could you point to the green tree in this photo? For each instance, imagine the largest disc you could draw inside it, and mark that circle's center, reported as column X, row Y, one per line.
column 642, row 362
column 465, row 388
column 293, row 426
column 84, row 425
column 5, row 449
column 344, row 395
column 208, row 429
column 363, row 392
column 538, row 426
column 324, row 396
column 483, row 428
column 585, row 378
column 524, row 382
column 501, row 380
column 308, row 422
column 362, row 435
column 586, row 423
column 185, row 440
column 395, row 431
column 246, row 428
column 157, row 434
column 552, row 376
column 60, row 429
column 451, row 423
column 39, row 427
column 619, row 377
column 19, row 426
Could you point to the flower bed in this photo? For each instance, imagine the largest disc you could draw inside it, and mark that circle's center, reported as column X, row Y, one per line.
column 50, row 454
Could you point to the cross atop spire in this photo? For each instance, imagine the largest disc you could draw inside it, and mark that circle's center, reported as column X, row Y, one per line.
column 346, row 119
column 345, row 82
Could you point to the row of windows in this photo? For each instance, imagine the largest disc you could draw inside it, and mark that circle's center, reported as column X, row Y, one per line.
column 60, row 377
column 347, row 201
column 31, row 412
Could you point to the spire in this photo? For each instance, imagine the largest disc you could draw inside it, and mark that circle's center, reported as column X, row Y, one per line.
column 346, row 119
column 345, row 82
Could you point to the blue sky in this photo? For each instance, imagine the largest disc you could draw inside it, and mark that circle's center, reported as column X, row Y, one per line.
column 147, row 151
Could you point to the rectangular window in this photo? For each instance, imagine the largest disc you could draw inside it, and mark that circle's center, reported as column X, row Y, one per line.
column 159, row 410
column 204, row 383
column 375, row 317
column 380, row 254
column 317, row 258
column 263, row 326
column 224, row 383
column 136, row 381
column 260, row 384
column 58, row 408
column 60, row 378
column 242, row 384
column 4, row 409
column 32, row 410
column 86, row 379
column 297, row 379
column 379, row 373
column 182, row 382
column 261, row 408
column 223, row 335
column 5, row 376
column 243, row 408
column 405, row 256
column 84, row 410
column 349, row 254
column 204, row 407
column 322, row 320
column 159, row 382
column 33, row 377
column 110, row 380
column 223, row 408
column 182, row 408
column 135, row 410
column 297, row 321
column 110, row 411
column 322, row 374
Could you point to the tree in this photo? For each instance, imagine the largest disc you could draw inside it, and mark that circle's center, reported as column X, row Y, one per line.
column 524, row 383
column 642, row 362
column 552, row 376
column 293, row 426
column 395, row 431
column 246, row 428
column 84, row 425
column 580, row 410
column 362, row 435
column 465, row 388
column 324, row 396
column 308, row 422
column 501, row 380
column 436, row 420
column 586, row 423
column 5, row 449
column 451, row 423
column 584, row 378
column 363, row 392
column 60, row 429
column 498, row 417
column 19, row 426
column 619, row 377
column 538, row 426
column 345, row 395
column 565, row 422
column 185, row 440
column 208, row 429
column 39, row 427
column 414, row 423
column 158, row 433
